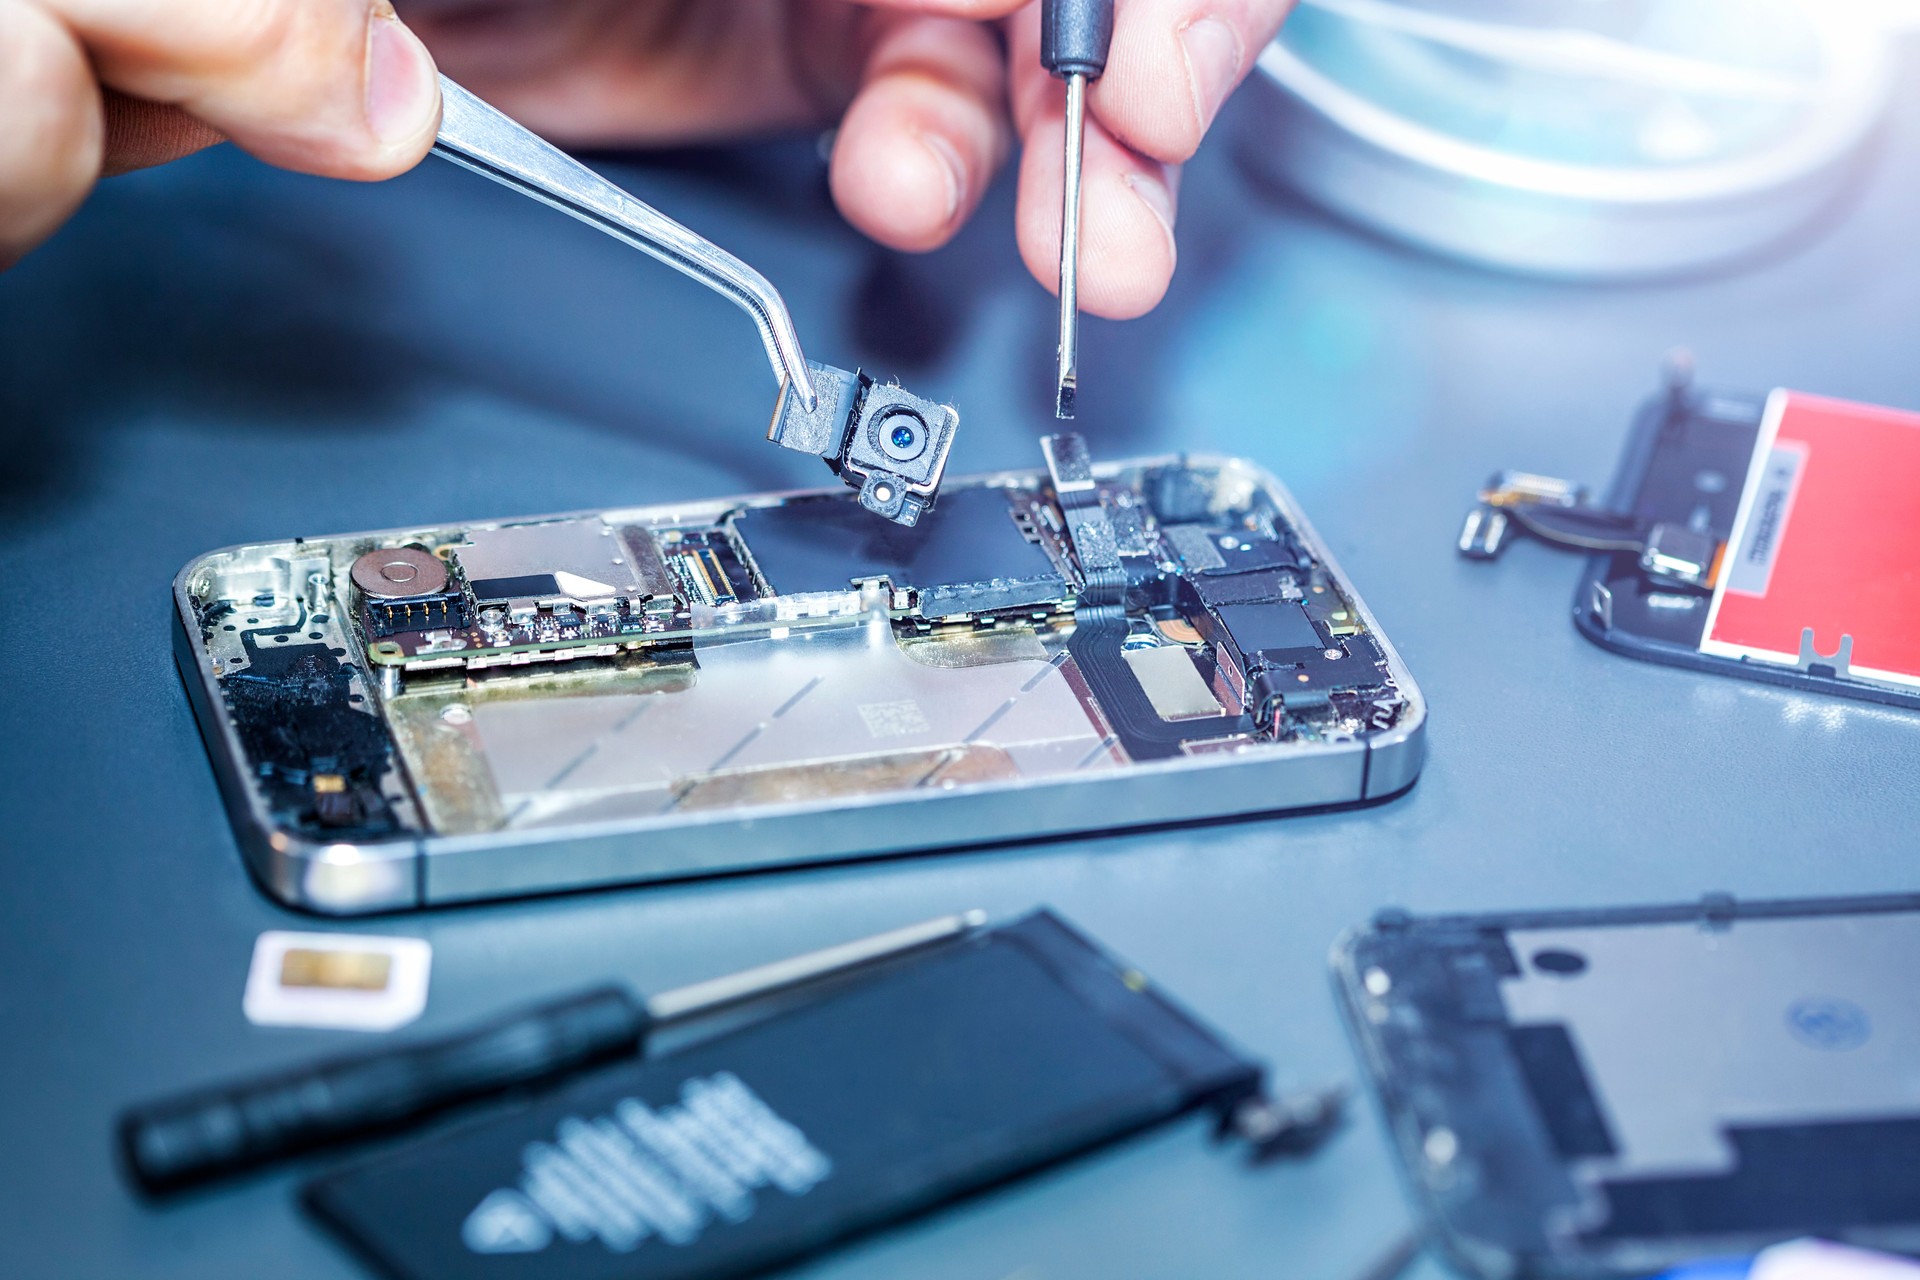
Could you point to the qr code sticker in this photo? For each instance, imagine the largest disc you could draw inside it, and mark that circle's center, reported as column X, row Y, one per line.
column 894, row 719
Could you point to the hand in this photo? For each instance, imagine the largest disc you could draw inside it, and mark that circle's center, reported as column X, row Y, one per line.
column 334, row 87
column 931, row 97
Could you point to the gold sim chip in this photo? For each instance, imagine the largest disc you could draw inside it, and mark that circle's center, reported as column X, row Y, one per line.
column 340, row 970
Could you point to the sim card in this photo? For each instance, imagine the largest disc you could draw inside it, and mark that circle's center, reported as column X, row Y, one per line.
column 1823, row 563
column 345, row 981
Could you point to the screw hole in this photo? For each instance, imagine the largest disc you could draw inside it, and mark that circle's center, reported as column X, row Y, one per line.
column 1561, row 964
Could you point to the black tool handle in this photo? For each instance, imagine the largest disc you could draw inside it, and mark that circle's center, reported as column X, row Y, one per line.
column 1074, row 35
column 189, row 1139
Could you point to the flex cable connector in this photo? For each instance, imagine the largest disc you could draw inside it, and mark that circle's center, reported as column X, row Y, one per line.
column 1563, row 514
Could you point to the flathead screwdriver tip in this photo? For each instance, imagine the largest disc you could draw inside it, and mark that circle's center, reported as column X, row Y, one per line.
column 1063, row 402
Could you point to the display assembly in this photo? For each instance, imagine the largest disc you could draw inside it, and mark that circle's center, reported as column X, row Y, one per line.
column 1775, row 538
column 468, row 711
column 1611, row 1093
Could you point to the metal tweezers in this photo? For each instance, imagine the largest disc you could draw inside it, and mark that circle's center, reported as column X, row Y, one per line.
column 478, row 137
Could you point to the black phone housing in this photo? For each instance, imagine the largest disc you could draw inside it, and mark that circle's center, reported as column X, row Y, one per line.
column 1776, row 1027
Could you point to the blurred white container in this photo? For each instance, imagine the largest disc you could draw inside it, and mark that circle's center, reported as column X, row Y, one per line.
column 1578, row 138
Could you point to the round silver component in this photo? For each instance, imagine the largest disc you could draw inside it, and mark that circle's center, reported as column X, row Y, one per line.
column 1544, row 147
column 397, row 573
column 901, row 435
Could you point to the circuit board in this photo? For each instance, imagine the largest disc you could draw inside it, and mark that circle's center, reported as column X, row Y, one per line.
column 657, row 666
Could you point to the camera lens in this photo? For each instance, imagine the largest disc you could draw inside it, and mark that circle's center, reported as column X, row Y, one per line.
column 902, row 436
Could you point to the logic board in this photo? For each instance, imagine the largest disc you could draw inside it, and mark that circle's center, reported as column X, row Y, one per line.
column 505, row 707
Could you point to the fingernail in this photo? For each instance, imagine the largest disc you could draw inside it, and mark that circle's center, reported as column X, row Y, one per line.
column 951, row 166
column 402, row 90
column 1213, row 55
column 1158, row 197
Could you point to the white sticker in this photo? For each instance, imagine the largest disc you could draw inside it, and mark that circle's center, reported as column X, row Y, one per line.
column 1765, row 526
column 634, row 1173
column 894, row 719
column 339, row 980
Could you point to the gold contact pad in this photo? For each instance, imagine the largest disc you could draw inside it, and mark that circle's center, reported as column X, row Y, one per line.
column 338, row 970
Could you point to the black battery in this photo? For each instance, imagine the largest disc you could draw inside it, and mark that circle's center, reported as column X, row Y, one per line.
column 967, row 1065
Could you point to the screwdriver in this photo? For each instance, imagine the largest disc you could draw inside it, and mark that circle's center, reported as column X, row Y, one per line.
column 199, row 1136
column 1074, row 36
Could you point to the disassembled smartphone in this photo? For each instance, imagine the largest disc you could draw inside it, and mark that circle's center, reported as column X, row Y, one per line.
column 439, row 715
column 1615, row 1092
column 1774, row 538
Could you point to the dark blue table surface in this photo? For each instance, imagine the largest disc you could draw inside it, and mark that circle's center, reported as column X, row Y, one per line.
column 218, row 353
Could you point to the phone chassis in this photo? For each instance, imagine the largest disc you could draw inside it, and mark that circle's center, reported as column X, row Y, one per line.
column 1604, row 1093
column 375, row 759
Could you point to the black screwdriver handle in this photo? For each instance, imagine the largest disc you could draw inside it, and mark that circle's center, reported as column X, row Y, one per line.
column 189, row 1139
column 1074, row 36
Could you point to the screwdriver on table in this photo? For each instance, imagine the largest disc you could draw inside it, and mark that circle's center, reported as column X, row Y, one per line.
column 193, row 1138
column 1074, row 37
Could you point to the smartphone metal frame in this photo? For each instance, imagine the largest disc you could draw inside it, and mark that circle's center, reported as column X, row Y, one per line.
column 416, row 871
column 1448, row 1074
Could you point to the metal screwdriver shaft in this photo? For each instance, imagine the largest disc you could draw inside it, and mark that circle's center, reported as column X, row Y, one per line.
column 1070, row 249
column 1074, row 37
column 190, row 1139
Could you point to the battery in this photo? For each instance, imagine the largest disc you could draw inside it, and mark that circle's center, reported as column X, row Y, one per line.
column 939, row 1075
